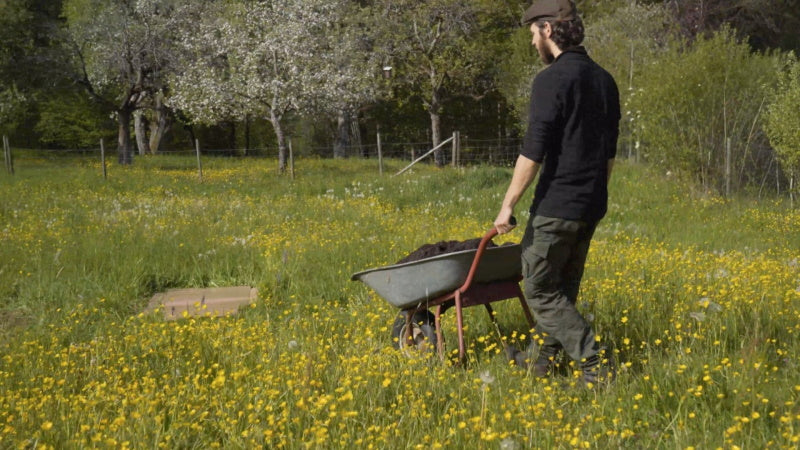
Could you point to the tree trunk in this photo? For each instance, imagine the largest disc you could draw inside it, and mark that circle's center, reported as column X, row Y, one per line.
column 246, row 134
column 436, row 133
column 232, row 139
column 192, row 138
column 342, row 135
column 159, row 126
column 124, row 148
column 438, row 155
column 276, row 125
column 140, row 130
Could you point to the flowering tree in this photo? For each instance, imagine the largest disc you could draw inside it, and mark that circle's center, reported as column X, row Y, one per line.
column 434, row 45
column 268, row 59
column 120, row 55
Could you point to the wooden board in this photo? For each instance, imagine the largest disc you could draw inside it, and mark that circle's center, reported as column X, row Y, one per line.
column 202, row 302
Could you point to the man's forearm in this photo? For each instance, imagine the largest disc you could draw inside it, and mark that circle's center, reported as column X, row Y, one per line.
column 525, row 171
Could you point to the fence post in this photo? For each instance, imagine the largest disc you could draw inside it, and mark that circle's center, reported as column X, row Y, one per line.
column 380, row 155
column 291, row 160
column 5, row 154
column 10, row 156
column 103, row 158
column 199, row 164
column 455, row 149
column 458, row 148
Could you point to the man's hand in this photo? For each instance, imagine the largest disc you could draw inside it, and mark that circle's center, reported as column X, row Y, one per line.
column 505, row 221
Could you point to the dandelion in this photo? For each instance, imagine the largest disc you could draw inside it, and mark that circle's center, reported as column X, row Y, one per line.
column 698, row 316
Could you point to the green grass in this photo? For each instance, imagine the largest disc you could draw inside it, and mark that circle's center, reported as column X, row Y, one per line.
column 697, row 295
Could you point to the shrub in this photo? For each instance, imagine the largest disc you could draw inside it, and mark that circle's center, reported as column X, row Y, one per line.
column 783, row 117
column 699, row 109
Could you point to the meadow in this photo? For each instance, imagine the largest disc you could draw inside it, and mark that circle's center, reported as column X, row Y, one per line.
column 698, row 296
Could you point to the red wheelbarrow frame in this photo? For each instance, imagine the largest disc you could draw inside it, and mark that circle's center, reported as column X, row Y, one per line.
column 469, row 294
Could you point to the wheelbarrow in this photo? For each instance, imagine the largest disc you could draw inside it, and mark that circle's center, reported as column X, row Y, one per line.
column 458, row 279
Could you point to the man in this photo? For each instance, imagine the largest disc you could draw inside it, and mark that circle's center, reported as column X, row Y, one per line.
column 573, row 126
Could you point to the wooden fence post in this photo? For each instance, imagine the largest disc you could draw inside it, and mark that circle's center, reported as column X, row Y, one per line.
column 103, row 159
column 199, row 164
column 458, row 148
column 291, row 160
column 380, row 155
column 5, row 154
column 454, row 150
column 9, row 155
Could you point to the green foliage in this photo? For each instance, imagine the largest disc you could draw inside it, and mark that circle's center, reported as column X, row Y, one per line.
column 783, row 116
column 12, row 102
column 695, row 99
column 73, row 120
column 518, row 69
column 624, row 41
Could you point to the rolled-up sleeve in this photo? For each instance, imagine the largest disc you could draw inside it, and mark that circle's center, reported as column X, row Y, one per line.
column 543, row 119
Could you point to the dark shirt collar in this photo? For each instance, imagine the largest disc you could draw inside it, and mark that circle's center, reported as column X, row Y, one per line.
column 578, row 49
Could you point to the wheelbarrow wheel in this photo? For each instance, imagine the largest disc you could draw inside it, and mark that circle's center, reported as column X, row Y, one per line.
column 423, row 332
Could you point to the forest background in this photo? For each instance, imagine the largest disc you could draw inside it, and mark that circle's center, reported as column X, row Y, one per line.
column 709, row 87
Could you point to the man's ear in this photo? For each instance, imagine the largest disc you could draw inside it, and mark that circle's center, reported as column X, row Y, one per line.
column 547, row 30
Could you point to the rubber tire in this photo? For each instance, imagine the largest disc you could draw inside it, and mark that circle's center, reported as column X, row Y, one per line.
column 423, row 331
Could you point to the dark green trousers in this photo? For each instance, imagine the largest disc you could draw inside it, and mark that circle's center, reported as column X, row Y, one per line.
column 553, row 258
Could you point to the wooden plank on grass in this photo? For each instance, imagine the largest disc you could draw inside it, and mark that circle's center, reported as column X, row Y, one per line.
column 202, row 302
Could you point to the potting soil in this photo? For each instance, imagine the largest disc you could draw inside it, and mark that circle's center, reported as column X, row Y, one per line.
column 440, row 248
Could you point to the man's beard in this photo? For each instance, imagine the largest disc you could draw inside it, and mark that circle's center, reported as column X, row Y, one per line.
column 545, row 54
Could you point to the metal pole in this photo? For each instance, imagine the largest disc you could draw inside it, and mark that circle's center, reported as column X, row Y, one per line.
column 380, row 155
column 441, row 144
column 199, row 164
column 103, row 159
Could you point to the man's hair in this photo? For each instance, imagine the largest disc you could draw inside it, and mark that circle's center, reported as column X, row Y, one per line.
column 566, row 33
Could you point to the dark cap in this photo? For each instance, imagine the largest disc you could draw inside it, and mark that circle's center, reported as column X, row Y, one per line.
column 549, row 10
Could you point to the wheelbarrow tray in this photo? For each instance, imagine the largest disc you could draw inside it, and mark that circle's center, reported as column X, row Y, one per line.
column 409, row 284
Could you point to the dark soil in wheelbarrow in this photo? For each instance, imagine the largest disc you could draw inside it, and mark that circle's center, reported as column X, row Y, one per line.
column 440, row 248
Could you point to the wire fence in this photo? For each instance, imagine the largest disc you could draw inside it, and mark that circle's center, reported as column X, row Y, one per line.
column 458, row 152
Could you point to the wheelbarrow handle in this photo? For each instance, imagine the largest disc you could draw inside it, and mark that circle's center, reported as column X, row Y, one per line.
column 479, row 253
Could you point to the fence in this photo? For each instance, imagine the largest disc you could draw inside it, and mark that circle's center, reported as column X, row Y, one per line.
column 459, row 151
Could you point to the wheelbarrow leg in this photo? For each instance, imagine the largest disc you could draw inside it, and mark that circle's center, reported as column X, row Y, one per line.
column 491, row 313
column 439, row 335
column 409, row 333
column 460, row 321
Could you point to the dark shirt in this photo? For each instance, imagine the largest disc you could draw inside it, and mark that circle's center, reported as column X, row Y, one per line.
column 573, row 127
